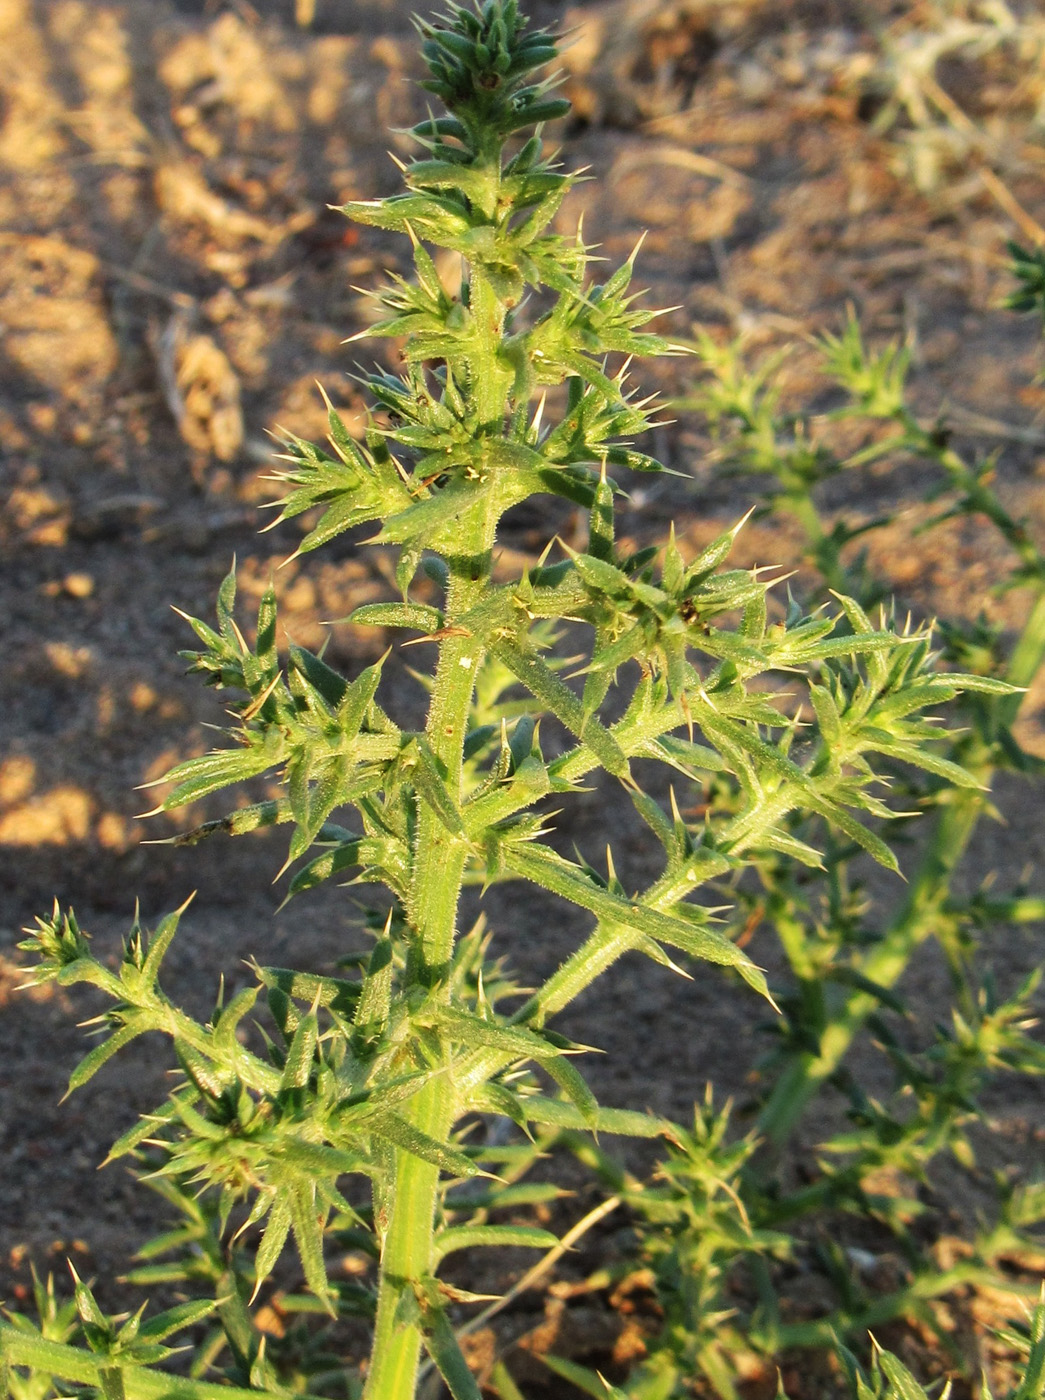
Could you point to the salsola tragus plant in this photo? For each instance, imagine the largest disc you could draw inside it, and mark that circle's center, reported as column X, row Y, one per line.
column 730, row 1224
column 514, row 383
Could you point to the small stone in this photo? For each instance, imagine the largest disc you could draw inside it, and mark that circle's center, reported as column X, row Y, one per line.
column 78, row 585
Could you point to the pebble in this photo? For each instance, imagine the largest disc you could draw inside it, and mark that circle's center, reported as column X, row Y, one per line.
column 78, row 585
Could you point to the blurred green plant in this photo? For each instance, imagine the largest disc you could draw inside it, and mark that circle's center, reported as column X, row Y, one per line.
column 889, row 1379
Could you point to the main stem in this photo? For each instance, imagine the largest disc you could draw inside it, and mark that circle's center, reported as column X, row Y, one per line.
column 439, row 862
column 440, row 856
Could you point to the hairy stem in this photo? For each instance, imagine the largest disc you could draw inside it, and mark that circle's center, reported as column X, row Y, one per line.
column 440, row 856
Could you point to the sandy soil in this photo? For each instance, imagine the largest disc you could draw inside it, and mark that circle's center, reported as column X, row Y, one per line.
column 173, row 285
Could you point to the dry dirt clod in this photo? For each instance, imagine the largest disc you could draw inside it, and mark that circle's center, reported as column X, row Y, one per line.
column 183, row 195
column 57, row 332
column 636, row 59
column 201, row 388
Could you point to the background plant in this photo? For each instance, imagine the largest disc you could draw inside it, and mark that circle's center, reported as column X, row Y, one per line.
column 353, row 1113
column 725, row 1219
column 956, row 88
column 891, row 1380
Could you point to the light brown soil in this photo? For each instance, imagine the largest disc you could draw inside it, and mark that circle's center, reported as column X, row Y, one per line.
column 173, row 285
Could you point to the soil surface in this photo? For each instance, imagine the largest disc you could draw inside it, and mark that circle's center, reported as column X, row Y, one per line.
column 174, row 285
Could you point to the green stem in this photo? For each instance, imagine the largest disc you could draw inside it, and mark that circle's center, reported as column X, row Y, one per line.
column 822, row 548
column 407, row 1253
column 606, row 944
column 440, row 856
column 1026, row 658
column 856, row 1322
column 244, row 1339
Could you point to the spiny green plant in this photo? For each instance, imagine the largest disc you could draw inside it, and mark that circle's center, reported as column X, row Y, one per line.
column 724, row 1217
column 352, row 1111
column 788, row 452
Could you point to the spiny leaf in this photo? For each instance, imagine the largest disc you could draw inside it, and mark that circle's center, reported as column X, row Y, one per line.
column 588, row 1381
column 513, row 1040
column 410, row 1138
column 374, row 1003
column 902, row 1383
column 309, row 986
column 442, row 1346
column 417, row 616
column 198, row 777
column 227, row 1023
column 544, row 867
column 306, row 1221
column 277, row 1228
column 574, row 1086
column 94, row 1059
column 298, row 1065
column 164, row 1324
column 493, row 1236
column 159, row 943
column 431, row 784
column 851, row 827
column 322, row 867
column 545, row 686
